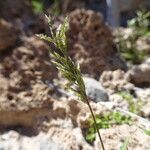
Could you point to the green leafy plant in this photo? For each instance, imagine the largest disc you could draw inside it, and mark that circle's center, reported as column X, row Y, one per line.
column 106, row 121
column 37, row 6
column 141, row 23
column 140, row 26
column 147, row 132
column 128, row 49
column 134, row 107
column 68, row 69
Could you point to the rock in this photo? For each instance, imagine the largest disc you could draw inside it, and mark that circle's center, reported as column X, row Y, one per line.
column 91, row 43
column 17, row 9
column 145, row 112
column 125, row 33
column 28, row 62
column 115, row 81
column 140, row 74
column 64, row 140
column 114, row 138
column 143, row 44
column 47, row 144
column 94, row 90
column 24, row 94
column 63, row 131
column 71, row 113
column 144, row 95
column 10, row 140
column 59, row 132
column 22, row 18
column 69, row 138
column 119, row 101
column 25, row 108
column 8, row 35
column 14, row 141
column 69, row 5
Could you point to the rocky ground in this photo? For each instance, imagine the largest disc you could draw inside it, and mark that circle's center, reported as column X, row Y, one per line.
column 36, row 112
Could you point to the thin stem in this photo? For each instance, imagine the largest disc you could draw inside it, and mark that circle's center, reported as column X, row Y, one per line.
column 95, row 124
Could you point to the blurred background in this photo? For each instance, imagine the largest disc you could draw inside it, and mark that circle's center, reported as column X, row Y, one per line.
column 110, row 39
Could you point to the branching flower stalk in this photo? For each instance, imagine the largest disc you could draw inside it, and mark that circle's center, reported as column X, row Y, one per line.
column 68, row 69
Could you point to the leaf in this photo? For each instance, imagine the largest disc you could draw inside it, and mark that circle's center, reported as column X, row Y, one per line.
column 90, row 137
column 37, row 6
column 78, row 67
column 61, row 36
column 49, row 21
column 50, row 26
column 45, row 37
column 147, row 132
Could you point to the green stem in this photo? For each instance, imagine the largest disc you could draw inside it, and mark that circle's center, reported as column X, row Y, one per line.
column 95, row 123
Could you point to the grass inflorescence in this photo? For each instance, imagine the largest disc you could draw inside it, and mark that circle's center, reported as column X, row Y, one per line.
column 68, row 69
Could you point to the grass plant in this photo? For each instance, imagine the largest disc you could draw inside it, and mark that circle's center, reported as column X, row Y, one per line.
column 68, row 69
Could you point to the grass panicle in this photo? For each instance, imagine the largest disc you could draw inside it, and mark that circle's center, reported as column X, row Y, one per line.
column 68, row 69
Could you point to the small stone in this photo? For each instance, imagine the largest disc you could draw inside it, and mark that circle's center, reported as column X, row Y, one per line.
column 94, row 90
column 145, row 112
column 140, row 74
column 91, row 43
column 115, row 136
